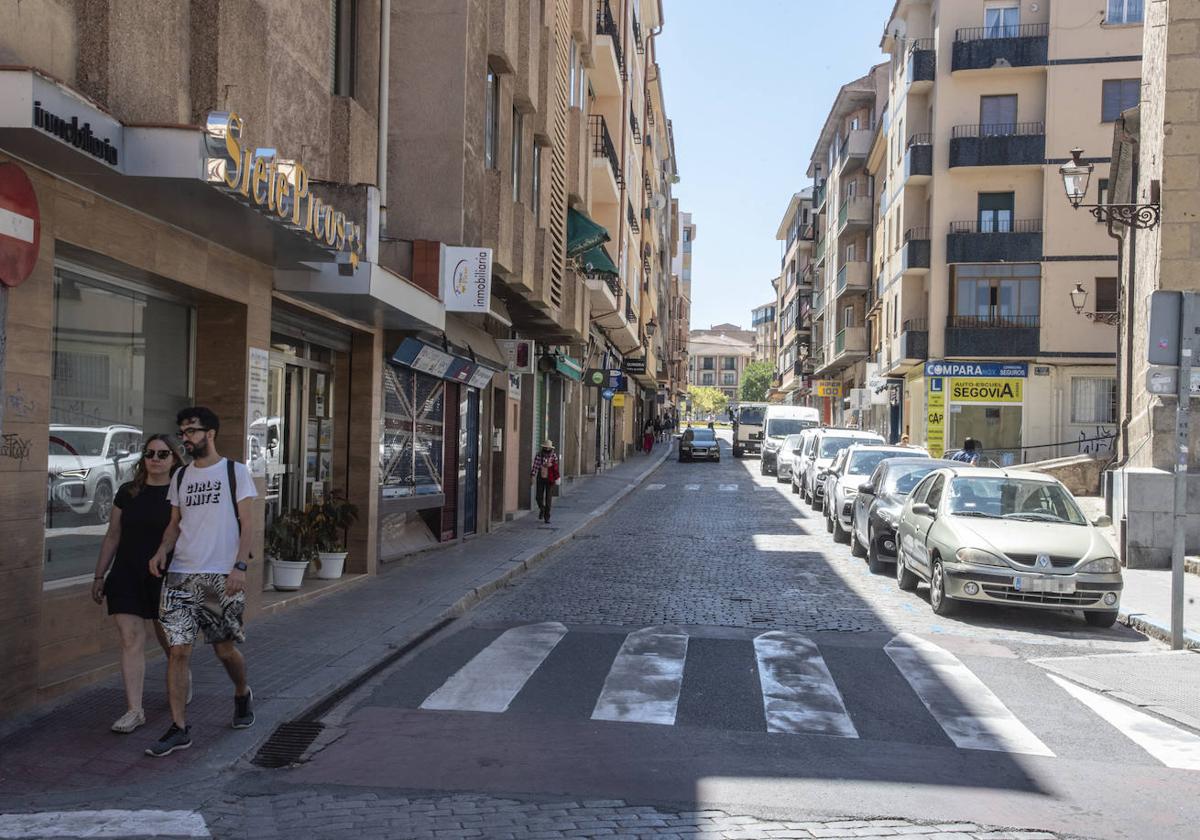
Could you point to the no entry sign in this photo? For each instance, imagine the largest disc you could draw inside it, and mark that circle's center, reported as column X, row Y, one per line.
column 20, row 225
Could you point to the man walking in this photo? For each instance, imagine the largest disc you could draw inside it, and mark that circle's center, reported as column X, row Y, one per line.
column 205, row 590
column 545, row 470
column 969, row 453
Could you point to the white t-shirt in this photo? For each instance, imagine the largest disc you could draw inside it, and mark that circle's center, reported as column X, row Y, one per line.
column 208, row 528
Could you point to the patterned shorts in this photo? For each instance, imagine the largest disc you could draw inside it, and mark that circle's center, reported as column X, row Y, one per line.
column 192, row 603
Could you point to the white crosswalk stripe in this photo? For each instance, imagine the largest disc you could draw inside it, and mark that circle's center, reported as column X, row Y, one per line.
column 106, row 823
column 655, row 486
column 691, row 487
column 799, row 694
column 644, row 682
column 727, row 488
column 490, row 681
column 969, row 713
column 1174, row 747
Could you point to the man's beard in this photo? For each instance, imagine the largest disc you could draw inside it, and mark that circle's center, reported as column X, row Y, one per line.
column 199, row 450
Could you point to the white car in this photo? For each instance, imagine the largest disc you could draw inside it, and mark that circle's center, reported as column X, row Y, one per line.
column 785, row 458
column 825, row 447
column 854, row 466
column 87, row 464
column 804, row 454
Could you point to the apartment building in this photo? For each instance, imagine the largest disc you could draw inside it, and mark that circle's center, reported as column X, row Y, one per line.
column 975, row 249
column 679, row 327
column 718, row 359
column 793, row 300
column 766, row 341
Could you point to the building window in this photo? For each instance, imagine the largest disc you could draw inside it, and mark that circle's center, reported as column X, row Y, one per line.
column 1093, row 400
column 121, row 366
column 517, row 131
column 729, row 363
column 1102, row 192
column 1118, row 95
column 1002, row 21
column 345, row 24
column 1124, row 11
column 997, row 294
column 491, row 119
column 706, row 379
column 573, row 71
column 1106, row 294
column 997, row 114
column 728, row 378
column 995, row 212
column 537, row 183
column 708, row 363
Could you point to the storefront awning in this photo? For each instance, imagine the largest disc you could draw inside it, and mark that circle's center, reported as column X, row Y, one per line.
column 436, row 361
column 370, row 294
column 596, row 261
column 474, row 340
column 583, row 234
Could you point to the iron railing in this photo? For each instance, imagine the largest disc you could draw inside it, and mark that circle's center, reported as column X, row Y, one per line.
column 987, row 33
column 602, row 145
column 634, row 128
column 996, row 321
column 632, row 217
column 915, row 325
column 997, row 226
column 918, row 44
column 607, row 25
column 1027, row 129
column 637, row 36
column 919, row 140
column 918, row 233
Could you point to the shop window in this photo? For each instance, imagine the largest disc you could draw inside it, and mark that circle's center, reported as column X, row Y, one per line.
column 411, row 449
column 1093, row 400
column 1118, row 95
column 122, row 367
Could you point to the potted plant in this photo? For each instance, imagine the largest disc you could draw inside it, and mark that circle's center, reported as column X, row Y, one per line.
column 291, row 547
column 330, row 518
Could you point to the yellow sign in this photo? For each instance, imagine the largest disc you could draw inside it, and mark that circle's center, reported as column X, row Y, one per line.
column 618, row 400
column 829, row 388
column 1006, row 390
column 935, row 417
column 280, row 187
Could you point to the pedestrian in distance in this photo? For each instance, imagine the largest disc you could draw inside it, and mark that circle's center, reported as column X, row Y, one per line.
column 659, row 425
column 648, row 437
column 135, row 531
column 904, row 440
column 545, row 470
column 205, row 588
column 969, row 453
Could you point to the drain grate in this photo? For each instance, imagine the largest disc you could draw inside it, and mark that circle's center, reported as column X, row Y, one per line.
column 287, row 743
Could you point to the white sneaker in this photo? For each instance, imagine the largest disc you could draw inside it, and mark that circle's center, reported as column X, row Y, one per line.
column 129, row 721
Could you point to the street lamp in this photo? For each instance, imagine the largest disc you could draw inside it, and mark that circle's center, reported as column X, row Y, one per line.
column 1076, row 174
column 1079, row 297
column 651, row 326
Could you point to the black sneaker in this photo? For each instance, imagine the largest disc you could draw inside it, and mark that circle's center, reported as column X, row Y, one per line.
column 243, row 710
column 173, row 739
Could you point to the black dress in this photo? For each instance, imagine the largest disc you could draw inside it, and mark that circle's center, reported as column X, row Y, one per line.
column 130, row 589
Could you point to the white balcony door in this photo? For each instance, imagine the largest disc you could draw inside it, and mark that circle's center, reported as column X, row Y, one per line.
column 1002, row 21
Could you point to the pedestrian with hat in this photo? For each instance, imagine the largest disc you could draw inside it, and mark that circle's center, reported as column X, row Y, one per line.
column 545, row 471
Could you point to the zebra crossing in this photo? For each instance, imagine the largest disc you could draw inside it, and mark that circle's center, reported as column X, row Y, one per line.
column 788, row 677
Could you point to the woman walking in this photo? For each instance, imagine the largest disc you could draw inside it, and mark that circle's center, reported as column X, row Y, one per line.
column 648, row 437
column 139, row 517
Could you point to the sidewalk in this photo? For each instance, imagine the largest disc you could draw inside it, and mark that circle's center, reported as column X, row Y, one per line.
column 297, row 659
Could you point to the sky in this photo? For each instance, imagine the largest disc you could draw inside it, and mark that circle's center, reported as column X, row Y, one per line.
column 748, row 84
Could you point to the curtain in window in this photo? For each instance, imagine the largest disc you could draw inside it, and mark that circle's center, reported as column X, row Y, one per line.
column 1093, row 399
column 1001, row 22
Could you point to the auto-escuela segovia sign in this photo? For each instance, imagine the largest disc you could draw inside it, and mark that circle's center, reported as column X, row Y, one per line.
column 988, row 369
column 257, row 178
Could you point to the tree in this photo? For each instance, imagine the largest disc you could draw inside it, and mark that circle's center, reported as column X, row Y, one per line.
column 706, row 400
column 756, row 381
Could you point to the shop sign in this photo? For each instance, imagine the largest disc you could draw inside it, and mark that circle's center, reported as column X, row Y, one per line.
column 568, row 367
column 618, row 400
column 634, row 367
column 988, row 369
column 466, row 279
column 258, row 179
column 430, row 360
column 482, row 377
column 608, row 393
column 828, row 388
column 935, row 418
column 514, row 385
column 518, row 353
column 256, row 411
column 597, row 377
column 616, row 380
column 985, row 390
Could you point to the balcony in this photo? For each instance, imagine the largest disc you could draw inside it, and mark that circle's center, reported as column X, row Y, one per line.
column 854, row 214
column 818, row 200
column 605, row 164
column 918, row 159
column 914, row 255
column 609, row 56
column 818, row 304
column 1019, row 241
column 984, row 48
column 922, row 65
column 1011, row 144
column 632, row 218
column 819, row 253
column 996, row 335
column 852, row 154
column 914, row 342
column 849, row 344
column 852, row 279
column 604, row 296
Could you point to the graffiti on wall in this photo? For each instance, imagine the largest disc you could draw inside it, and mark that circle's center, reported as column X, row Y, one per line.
column 1097, row 441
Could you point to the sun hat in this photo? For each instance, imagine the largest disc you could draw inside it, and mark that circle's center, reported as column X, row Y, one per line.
column 548, row 444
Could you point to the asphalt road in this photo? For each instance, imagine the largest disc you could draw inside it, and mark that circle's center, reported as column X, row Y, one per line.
column 708, row 646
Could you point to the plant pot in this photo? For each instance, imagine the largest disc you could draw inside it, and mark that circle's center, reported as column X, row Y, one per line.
column 332, row 564
column 289, row 574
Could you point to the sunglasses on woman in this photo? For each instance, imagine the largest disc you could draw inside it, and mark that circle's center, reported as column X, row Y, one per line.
column 160, row 454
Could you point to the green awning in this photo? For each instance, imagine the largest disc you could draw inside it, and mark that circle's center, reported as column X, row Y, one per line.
column 597, row 261
column 568, row 367
column 583, row 234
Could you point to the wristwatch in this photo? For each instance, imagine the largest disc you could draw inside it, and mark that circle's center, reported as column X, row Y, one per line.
column 240, row 566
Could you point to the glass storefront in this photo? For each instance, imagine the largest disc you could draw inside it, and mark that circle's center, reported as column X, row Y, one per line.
column 122, row 367
column 410, row 449
column 996, row 427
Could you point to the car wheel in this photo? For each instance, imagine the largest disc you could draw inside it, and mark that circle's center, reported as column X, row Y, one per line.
column 102, row 502
column 906, row 580
column 856, row 548
column 828, row 523
column 875, row 564
column 795, row 488
column 840, row 534
column 779, row 479
column 762, row 467
column 817, row 504
column 937, row 591
column 1100, row 618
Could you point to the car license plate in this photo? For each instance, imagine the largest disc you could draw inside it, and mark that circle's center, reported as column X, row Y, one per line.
column 1059, row 586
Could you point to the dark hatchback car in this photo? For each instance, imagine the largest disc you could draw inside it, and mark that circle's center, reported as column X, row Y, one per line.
column 699, row 444
column 878, row 504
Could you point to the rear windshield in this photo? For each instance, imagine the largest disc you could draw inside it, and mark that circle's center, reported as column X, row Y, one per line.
column 784, row 426
column 831, row 446
column 902, row 480
column 865, row 462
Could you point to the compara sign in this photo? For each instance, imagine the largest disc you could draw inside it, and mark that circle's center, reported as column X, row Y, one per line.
column 985, row 390
column 466, row 280
column 986, row 369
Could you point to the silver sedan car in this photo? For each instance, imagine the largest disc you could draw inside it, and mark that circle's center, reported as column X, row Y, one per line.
column 1006, row 537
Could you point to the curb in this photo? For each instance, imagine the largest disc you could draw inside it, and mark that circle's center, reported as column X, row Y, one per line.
column 1156, row 628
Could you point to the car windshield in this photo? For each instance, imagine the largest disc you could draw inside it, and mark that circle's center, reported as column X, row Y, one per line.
column 901, row 480
column 791, row 444
column 703, row 435
column 784, row 426
column 78, row 441
column 831, row 446
column 865, row 461
column 1002, row 497
column 750, row 416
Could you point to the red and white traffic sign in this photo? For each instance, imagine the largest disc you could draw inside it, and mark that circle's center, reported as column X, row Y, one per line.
column 20, row 225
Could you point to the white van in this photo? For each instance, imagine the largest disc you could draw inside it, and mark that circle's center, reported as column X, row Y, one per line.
column 779, row 421
column 747, row 427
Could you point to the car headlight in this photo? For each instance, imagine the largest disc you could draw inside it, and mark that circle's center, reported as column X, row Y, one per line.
column 80, row 473
column 978, row 557
column 1101, row 566
column 850, row 492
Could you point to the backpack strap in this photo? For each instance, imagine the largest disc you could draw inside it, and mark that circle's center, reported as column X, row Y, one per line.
column 233, row 492
column 179, row 481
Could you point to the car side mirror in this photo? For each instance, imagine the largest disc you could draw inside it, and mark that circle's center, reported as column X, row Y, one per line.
column 1103, row 521
column 922, row 509
column 867, row 487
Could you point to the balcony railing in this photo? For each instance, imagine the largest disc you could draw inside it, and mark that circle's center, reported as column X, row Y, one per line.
column 984, row 47
column 819, row 252
column 607, row 25
column 818, row 303
column 632, row 217
column 916, row 248
column 1002, row 144
column 602, row 145
column 993, row 335
column 1000, row 241
column 914, row 340
column 855, row 210
column 818, row 196
column 637, row 37
column 852, row 276
column 634, row 128
column 922, row 61
column 630, row 315
column 918, row 155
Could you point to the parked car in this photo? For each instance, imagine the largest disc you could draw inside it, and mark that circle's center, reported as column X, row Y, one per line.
column 699, row 443
column 785, row 458
column 87, row 464
column 1006, row 537
column 804, row 454
column 825, row 447
column 878, row 503
column 779, row 421
column 853, row 467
